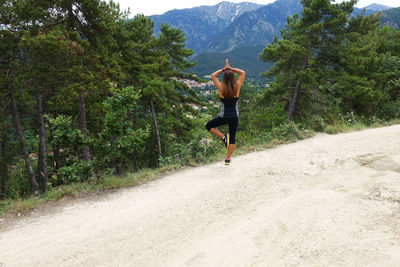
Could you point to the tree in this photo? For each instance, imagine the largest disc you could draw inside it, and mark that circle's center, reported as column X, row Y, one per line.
column 369, row 80
column 96, row 22
column 156, row 66
column 119, row 136
column 301, row 57
column 11, row 26
column 361, row 62
column 163, row 88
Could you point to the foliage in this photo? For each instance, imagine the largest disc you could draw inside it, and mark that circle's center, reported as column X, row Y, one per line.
column 306, row 52
column 200, row 149
column 119, row 137
column 65, row 135
column 78, row 171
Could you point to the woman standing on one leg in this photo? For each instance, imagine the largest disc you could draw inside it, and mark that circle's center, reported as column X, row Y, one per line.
column 229, row 94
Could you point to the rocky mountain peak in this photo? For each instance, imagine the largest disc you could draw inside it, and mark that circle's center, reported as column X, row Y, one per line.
column 230, row 11
column 377, row 7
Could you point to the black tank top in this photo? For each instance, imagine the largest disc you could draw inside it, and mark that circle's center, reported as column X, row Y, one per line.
column 229, row 108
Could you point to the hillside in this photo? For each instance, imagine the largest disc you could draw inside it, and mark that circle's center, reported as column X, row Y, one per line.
column 200, row 24
column 377, row 7
column 257, row 27
column 391, row 17
column 243, row 57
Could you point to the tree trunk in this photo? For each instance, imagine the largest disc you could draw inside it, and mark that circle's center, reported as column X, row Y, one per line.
column 25, row 153
column 4, row 174
column 42, row 160
column 156, row 127
column 82, row 111
column 118, row 168
column 291, row 87
column 134, row 159
column 57, row 159
column 116, row 163
column 134, row 155
column 293, row 102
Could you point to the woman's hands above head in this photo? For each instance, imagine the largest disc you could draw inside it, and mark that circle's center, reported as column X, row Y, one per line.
column 226, row 64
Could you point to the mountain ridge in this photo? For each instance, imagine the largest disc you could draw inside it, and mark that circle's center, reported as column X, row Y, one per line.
column 221, row 30
column 377, row 7
column 227, row 25
column 203, row 22
column 256, row 27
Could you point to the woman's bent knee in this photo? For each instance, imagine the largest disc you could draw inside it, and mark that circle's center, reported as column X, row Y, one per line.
column 208, row 126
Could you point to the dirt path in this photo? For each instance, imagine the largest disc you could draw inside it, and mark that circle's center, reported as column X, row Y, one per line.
column 329, row 200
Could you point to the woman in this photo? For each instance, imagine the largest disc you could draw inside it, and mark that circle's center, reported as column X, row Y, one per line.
column 229, row 94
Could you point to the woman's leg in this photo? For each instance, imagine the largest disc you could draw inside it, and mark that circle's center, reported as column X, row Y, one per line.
column 233, row 126
column 213, row 124
column 230, row 150
column 216, row 132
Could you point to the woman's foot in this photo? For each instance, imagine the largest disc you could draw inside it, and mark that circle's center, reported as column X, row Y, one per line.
column 227, row 161
column 225, row 139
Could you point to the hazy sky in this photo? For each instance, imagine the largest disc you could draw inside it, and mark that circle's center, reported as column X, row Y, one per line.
column 155, row 7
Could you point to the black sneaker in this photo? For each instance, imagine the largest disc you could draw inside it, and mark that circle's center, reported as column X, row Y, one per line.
column 226, row 140
column 227, row 161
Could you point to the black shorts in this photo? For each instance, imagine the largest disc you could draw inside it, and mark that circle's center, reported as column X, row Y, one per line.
column 233, row 126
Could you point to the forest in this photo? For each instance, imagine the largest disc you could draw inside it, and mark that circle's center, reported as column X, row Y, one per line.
column 87, row 92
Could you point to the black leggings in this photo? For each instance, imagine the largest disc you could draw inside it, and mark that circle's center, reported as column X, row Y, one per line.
column 233, row 126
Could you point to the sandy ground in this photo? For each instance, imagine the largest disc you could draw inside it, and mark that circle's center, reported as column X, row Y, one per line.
column 325, row 201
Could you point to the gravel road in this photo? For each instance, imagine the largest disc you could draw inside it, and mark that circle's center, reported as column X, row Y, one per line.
column 332, row 200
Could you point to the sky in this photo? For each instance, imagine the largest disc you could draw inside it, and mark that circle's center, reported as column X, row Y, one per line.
column 157, row 7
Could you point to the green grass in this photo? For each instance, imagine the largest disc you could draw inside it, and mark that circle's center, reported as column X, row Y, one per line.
column 343, row 127
column 23, row 206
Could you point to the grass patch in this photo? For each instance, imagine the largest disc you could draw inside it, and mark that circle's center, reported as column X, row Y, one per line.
column 26, row 205
column 5, row 205
column 342, row 127
column 23, row 206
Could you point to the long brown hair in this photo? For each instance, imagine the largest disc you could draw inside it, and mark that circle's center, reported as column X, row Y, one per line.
column 229, row 84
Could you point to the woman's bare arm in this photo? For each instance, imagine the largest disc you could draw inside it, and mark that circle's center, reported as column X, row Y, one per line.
column 216, row 82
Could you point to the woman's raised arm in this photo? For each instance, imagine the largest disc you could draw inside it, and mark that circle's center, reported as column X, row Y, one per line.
column 216, row 82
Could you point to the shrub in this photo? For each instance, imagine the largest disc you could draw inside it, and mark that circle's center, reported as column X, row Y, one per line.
column 77, row 172
column 18, row 185
column 288, row 131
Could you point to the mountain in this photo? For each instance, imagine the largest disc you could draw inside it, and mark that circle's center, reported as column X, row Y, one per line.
column 256, row 27
column 391, row 17
column 226, row 26
column 245, row 32
column 200, row 24
column 240, row 31
column 377, row 7
column 243, row 57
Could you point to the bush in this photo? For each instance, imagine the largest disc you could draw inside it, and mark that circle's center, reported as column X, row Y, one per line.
column 390, row 110
column 288, row 131
column 18, row 185
column 200, row 149
column 77, row 172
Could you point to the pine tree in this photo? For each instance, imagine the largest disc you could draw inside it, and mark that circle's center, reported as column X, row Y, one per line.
column 12, row 23
column 301, row 57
